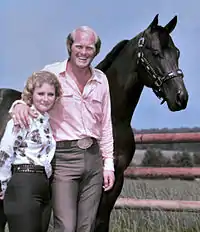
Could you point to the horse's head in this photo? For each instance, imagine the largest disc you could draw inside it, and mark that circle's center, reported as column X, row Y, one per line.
column 158, row 64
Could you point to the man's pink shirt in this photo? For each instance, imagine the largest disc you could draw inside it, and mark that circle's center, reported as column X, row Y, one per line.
column 78, row 115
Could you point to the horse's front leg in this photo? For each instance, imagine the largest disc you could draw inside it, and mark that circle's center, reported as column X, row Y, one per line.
column 2, row 217
column 107, row 203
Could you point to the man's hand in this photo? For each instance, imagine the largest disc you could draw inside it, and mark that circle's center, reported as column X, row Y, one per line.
column 109, row 179
column 1, row 195
column 20, row 115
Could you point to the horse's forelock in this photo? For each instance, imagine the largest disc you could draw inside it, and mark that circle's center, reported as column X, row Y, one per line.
column 163, row 35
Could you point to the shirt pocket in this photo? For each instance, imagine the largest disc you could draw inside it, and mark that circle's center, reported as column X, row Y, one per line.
column 67, row 105
column 96, row 103
column 67, row 96
column 67, row 99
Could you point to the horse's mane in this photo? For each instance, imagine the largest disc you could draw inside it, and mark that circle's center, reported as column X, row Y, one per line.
column 107, row 61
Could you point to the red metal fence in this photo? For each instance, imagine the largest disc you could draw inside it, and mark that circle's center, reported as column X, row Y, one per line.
column 162, row 173
column 168, row 138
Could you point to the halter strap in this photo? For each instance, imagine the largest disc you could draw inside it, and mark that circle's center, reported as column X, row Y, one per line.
column 158, row 79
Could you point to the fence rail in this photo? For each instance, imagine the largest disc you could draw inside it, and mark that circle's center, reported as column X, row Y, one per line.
column 165, row 205
column 162, row 173
column 190, row 137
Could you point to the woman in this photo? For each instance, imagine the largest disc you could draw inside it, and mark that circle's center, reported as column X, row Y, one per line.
column 25, row 159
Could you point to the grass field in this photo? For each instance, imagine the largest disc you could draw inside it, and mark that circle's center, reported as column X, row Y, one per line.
column 157, row 221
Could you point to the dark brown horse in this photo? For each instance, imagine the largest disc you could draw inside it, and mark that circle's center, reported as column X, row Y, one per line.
column 149, row 59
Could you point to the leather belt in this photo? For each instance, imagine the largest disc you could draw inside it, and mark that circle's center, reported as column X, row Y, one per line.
column 81, row 143
column 28, row 168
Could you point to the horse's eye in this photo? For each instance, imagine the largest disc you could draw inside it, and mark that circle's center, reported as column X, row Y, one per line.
column 157, row 53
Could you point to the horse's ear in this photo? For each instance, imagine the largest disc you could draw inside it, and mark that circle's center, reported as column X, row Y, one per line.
column 171, row 25
column 154, row 23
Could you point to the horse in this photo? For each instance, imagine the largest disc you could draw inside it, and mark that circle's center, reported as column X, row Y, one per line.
column 149, row 59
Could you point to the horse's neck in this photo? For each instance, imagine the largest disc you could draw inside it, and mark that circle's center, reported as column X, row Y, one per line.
column 124, row 105
column 134, row 92
column 120, row 67
column 126, row 90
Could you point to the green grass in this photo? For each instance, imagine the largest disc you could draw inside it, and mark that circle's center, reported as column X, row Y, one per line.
column 128, row 220
column 140, row 221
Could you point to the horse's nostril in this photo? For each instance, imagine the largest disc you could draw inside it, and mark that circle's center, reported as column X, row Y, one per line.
column 181, row 98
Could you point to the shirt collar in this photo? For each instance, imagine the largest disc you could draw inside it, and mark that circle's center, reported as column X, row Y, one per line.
column 63, row 69
column 94, row 76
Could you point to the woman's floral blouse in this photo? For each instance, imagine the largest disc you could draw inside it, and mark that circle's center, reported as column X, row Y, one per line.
column 34, row 145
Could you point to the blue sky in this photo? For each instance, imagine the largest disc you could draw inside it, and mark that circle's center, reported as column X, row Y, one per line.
column 33, row 34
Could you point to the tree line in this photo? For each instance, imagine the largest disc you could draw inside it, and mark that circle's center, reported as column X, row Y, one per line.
column 155, row 158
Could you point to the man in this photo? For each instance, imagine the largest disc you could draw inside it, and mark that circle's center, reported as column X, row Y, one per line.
column 81, row 123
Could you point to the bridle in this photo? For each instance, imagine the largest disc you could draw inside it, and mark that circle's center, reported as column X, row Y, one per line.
column 158, row 79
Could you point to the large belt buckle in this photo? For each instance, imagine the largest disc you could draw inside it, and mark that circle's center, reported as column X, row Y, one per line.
column 85, row 143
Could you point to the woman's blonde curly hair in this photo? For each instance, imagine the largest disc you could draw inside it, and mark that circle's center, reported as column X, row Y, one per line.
column 37, row 79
